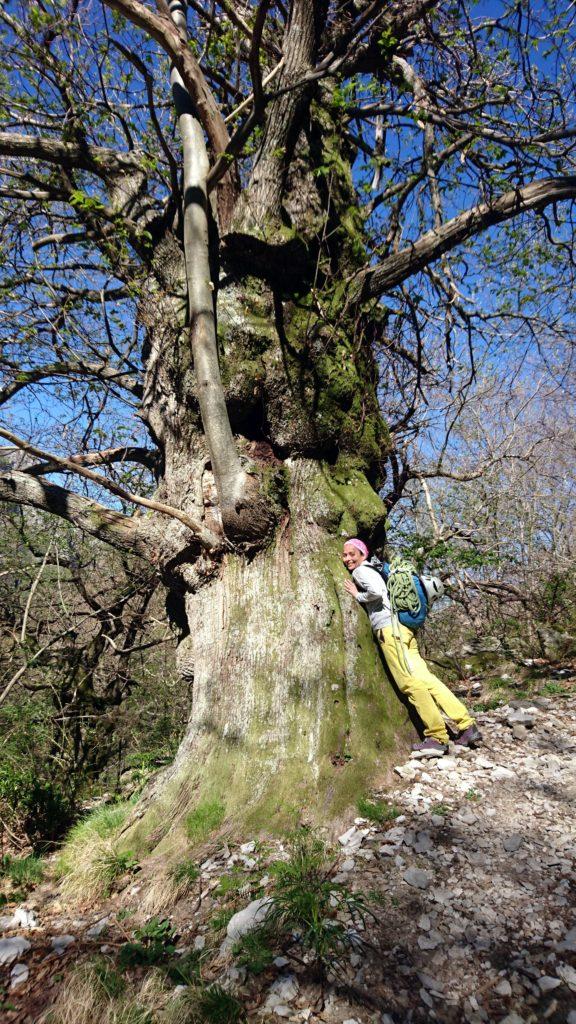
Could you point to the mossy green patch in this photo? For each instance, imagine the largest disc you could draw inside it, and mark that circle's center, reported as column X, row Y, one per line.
column 204, row 819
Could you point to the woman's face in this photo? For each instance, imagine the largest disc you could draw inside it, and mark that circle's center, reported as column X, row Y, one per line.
column 351, row 556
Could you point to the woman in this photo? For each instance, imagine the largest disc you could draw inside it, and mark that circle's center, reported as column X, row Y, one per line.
column 428, row 694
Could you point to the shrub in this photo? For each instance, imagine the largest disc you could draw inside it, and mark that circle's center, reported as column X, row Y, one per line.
column 306, row 902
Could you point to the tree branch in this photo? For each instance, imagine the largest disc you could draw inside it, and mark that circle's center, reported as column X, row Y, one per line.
column 376, row 280
column 206, row 538
column 98, row 159
column 120, row 531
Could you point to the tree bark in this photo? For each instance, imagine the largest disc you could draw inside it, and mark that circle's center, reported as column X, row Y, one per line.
column 293, row 717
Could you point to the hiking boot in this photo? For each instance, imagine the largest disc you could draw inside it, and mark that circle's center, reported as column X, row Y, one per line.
column 470, row 737
column 429, row 748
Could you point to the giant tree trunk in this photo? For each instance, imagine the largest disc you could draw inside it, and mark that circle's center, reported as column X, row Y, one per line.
column 293, row 717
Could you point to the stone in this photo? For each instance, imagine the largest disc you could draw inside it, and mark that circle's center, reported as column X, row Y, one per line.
column 503, row 988
column 282, row 1011
column 282, row 991
column 512, row 1018
column 348, row 865
column 499, row 774
column 519, row 731
column 430, row 940
column 423, row 842
column 24, row 919
column 199, row 942
column 548, row 984
column 568, row 942
column 98, row 928
column 568, row 974
column 513, row 842
column 60, row 943
column 11, row 949
column 19, row 975
column 248, row 918
column 406, row 771
column 418, row 878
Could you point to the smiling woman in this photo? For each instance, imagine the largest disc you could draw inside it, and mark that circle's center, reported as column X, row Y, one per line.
column 427, row 694
column 237, row 242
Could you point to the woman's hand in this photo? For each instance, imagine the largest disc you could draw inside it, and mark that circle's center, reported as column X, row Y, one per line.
column 351, row 588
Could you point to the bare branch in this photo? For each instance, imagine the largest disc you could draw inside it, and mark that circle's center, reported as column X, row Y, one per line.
column 208, row 539
column 429, row 247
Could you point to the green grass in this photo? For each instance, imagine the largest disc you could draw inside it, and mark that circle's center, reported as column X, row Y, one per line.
column 90, row 860
column 186, row 873
column 305, row 900
column 207, row 817
column 443, row 809
column 255, row 951
column 220, row 920
column 231, row 883
column 214, row 1005
column 553, row 688
column 473, row 795
column 99, row 824
column 488, row 705
column 377, row 811
column 22, row 871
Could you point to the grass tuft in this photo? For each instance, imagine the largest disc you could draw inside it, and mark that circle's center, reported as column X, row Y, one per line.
column 22, row 871
column 214, row 1005
column 90, row 860
column 377, row 811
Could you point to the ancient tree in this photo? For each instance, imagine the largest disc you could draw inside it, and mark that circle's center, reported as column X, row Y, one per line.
column 239, row 245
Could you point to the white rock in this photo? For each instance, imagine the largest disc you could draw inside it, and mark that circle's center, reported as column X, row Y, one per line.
column 246, row 920
column 199, row 942
column 499, row 774
column 282, row 991
column 282, row 1011
column 61, row 942
column 569, row 941
column 547, row 984
column 97, row 928
column 247, row 847
column 18, row 975
column 418, row 878
column 281, row 961
column 568, row 974
column 348, row 865
column 346, row 837
column 11, row 949
column 503, row 988
column 406, row 771
column 24, row 919
column 513, row 842
column 512, row 1018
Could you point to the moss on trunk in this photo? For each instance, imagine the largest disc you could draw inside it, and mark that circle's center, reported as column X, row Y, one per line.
column 293, row 717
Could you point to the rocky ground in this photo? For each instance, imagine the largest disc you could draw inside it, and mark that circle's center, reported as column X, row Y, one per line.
column 471, row 885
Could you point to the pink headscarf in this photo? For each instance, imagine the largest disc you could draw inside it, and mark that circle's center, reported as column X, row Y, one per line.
column 359, row 544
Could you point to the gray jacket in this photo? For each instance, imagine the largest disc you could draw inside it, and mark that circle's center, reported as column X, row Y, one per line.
column 373, row 595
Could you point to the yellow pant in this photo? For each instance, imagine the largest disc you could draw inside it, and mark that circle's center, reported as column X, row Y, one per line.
column 423, row 689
